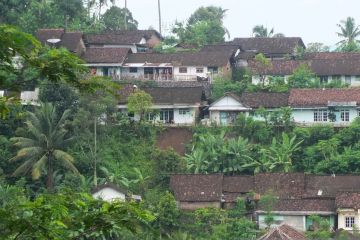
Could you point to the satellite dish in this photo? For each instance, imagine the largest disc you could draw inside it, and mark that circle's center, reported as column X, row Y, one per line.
column 53, row 40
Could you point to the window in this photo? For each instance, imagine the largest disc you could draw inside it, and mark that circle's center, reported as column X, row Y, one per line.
column 349, row 222
column 105, row 71
column 199, row 70
column 150, row 116
column 213, row 69
column 320, row 116
column 148, row 71
column 324, row 79
column 183, row 70
column 345, row 115
column 184, row 111
column 133, row 70
column 348, row 80
column 357, row 78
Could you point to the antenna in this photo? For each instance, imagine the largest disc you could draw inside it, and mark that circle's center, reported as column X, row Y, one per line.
column 159, row 16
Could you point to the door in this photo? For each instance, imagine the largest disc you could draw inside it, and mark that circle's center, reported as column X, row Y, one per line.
column 167, row 116
column 223, row 118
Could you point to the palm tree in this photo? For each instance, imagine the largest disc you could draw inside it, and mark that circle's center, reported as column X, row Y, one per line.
column 42, row 144
column 349, row 31
column 262, row 31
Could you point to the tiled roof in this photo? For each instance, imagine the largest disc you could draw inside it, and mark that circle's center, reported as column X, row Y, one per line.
column 265, row 99
column 326, row 65
column 284, row 45
column 197, row 188
column 284, row 185
column 119, row 37
column 331, row 185
column 238, row 184
column 331, row 55
column 69, row 40
column 44, row 34
column 173, row 95
column 105, row 55
column 348, row 200
column 321, row 97
column 283, row 232
column 304, row 205
column 202, row 58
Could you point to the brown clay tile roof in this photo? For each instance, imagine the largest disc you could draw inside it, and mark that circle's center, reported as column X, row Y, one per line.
column 331, row 185
column 305, row 205
column 348, row 200
column 284, row 185
column 44, row 34
column 69, row 40
column 171, row 95
column 238, row 184
column 283, row 232
column 119, row 37
column 264, row 99
column 321, row 97
column 331, row 56
column 284, row 45
column 276, row 67
column 105, row 55
column 197, row 188
column 202, row 58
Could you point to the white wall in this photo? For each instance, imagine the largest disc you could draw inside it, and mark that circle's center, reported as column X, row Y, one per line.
column 190, row 74
column 109, row 194
column 125, row 73
column 187, row 119
column 306, row 116
column 347, row 213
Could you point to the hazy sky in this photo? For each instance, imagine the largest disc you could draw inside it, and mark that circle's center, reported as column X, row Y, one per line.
column 313, row 20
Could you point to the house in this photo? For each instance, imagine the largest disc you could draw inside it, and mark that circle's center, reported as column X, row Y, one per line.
column 329, row 67
column 274, row 48
column 299, row 196
column 105, row 61
column 180, row 66
column 73, row 41
column 197, row 191
column 171, row 105
column 136, row 40
column 283, row 232
column 348, row 209
column 26, row 97
column 109, row 192
column 336, row 106
column 225, row 110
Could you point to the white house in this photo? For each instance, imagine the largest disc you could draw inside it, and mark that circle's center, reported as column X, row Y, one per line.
column 328, row 67
column 334, row 106
column 109, row 192
column 225, row 110
column 348, row 210
column 171, row 105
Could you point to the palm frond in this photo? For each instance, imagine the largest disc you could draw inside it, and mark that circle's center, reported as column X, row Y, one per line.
column 23, row 142
column 27, row 153
column 66, row 160
column 38, row 166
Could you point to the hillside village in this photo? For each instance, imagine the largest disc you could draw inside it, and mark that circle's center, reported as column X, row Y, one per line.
column 123, row 135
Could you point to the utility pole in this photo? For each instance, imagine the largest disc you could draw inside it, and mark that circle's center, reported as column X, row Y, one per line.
column 95, row 152
column 159, row 16
column 125, row 14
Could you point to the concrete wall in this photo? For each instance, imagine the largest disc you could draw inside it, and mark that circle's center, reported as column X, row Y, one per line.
column 196, row 205
column 354, row 81
column 109, row 194
column 297, row 222
column 306, row 116
column 191, row 73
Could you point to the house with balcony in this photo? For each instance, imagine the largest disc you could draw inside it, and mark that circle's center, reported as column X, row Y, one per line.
column 338, row 107
column 171, row 105
column 180, row 66
column 105, row 61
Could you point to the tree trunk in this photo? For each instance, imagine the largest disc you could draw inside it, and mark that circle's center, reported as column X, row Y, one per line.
column 50, row 177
